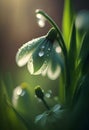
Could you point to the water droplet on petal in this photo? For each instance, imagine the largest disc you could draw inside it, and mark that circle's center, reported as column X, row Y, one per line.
column 49, row 49
column 42, row 47
column 41, row 53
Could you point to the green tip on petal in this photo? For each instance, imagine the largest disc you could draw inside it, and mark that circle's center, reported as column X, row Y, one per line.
column 52, row 35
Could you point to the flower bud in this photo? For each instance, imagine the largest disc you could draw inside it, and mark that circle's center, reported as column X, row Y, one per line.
column 39, row 93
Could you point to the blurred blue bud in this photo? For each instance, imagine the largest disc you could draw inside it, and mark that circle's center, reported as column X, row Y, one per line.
column 82, row 20
column 50, row 116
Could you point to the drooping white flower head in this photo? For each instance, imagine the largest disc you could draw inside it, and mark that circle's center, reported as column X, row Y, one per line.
column 40, row 54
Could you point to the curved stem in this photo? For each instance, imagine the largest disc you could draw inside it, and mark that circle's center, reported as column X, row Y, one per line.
column 45, row 104
column 62, row 45
column 54, row 25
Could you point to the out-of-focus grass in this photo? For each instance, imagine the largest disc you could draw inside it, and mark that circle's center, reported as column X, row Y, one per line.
column 8, row 119
column 28, row 105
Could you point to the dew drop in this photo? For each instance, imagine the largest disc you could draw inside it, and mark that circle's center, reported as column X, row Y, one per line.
column 49, row 49
column 43, row 47
column 39, row 16
column 41, row 23
column 41, row 53
column 40, row 20
column 49, row 93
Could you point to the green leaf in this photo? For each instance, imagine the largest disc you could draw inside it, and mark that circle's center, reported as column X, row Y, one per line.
column 72, row 49
column 20, row 117
column 8, row 84
column 72, row 64
column 68, row 15
column 62, row 89
column 82, row 91
column 84, row 53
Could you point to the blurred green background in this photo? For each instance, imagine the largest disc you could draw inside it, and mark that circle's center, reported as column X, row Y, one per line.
column 18, row 25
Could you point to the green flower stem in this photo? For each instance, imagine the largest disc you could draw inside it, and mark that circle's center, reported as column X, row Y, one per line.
column 40, row 94
column 62, row 44
column 63, row 47
column 45, row 104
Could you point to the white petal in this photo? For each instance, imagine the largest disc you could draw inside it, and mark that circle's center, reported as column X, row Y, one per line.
column 23, row 61
column 26, row 51
column 44, row 72
column 31, row 67
column 53, row 75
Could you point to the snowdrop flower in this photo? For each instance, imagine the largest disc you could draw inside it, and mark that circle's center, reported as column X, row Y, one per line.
column 40, row 53
column 55, row 65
